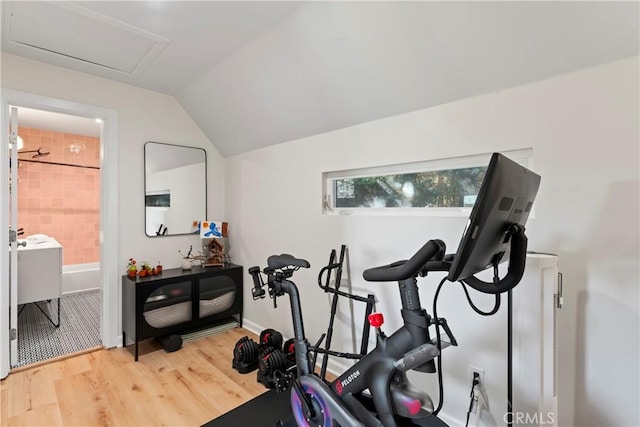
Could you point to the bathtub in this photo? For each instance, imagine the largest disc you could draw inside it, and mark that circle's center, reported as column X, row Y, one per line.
column 81, row 278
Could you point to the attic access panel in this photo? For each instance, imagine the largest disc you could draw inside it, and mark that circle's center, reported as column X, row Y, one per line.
column 79, row 35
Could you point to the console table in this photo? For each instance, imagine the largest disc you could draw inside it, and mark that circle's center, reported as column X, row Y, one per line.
column 178, row 300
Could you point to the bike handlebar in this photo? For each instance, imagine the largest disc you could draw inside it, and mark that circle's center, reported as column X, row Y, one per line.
column 402, row 270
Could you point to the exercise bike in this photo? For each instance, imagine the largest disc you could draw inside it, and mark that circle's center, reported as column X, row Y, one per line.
column 494, row 231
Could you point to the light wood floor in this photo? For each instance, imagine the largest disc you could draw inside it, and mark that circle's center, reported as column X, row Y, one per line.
column 107, row 388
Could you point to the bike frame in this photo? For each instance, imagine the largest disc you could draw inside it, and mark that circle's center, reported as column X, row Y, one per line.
column 408, row 348
column 375, row 370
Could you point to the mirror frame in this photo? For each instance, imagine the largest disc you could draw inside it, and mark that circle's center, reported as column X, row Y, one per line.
column 145, row 186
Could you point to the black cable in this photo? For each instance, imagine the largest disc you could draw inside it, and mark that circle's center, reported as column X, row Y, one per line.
column 439, row 346
column 496, row 306
column 472, row 396
column 469, row 410
column 439, row 337
column 509, row 359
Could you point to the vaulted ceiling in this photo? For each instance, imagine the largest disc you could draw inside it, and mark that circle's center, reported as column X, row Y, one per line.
column 252, row 74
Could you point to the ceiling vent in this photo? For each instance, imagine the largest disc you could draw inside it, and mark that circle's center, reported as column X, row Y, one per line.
column 81, row 36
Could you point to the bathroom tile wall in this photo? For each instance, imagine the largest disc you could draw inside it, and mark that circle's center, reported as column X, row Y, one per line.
column 61, row 201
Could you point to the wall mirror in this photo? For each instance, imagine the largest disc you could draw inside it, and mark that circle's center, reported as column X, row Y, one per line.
column 175, row 189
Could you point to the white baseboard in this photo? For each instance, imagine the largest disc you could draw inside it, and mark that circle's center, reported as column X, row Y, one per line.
column 252, row 326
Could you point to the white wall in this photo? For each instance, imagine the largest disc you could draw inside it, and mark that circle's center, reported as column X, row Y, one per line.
column 143, row 116
column 583, row 128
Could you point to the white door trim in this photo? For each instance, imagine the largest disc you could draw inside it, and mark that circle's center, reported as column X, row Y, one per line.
column 13, row 224
column 4, row 239
column 108, row 211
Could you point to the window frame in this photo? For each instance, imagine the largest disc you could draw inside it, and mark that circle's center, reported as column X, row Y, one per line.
column 523, row 156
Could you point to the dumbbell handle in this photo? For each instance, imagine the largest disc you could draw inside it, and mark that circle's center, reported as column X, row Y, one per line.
column 257, row 290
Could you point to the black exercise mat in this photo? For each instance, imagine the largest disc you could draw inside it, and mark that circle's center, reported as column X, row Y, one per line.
column 265, row 410
column 269, row 408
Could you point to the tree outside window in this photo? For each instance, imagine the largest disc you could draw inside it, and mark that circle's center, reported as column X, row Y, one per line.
column 433, row 189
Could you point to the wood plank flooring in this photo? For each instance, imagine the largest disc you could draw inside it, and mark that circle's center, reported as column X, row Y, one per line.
column 107, row 388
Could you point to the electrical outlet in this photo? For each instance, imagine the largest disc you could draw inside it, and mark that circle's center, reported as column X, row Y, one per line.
column 473, row 369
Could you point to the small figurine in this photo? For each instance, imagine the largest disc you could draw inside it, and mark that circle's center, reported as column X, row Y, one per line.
column 214, row 254
column 132, row 269
column 187, row 259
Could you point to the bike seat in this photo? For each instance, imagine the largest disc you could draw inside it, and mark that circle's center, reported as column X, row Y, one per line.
column 286, row 261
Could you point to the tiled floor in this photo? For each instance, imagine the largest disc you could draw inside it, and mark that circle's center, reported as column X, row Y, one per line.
column 79, row 328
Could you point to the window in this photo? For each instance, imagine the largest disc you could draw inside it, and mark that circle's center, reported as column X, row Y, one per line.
column 158, row 200
column 445, row 186
column 450, row 188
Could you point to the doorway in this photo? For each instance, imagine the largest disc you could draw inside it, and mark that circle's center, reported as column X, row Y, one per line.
column 58, row 194
column 107, row 273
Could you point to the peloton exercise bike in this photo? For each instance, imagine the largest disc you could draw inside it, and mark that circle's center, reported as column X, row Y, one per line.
column 375, row 391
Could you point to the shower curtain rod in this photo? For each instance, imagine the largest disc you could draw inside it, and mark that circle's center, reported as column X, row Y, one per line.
column 59, row 164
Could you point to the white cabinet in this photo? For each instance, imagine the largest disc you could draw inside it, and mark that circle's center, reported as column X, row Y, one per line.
column 39, row 271
column 535, row 305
